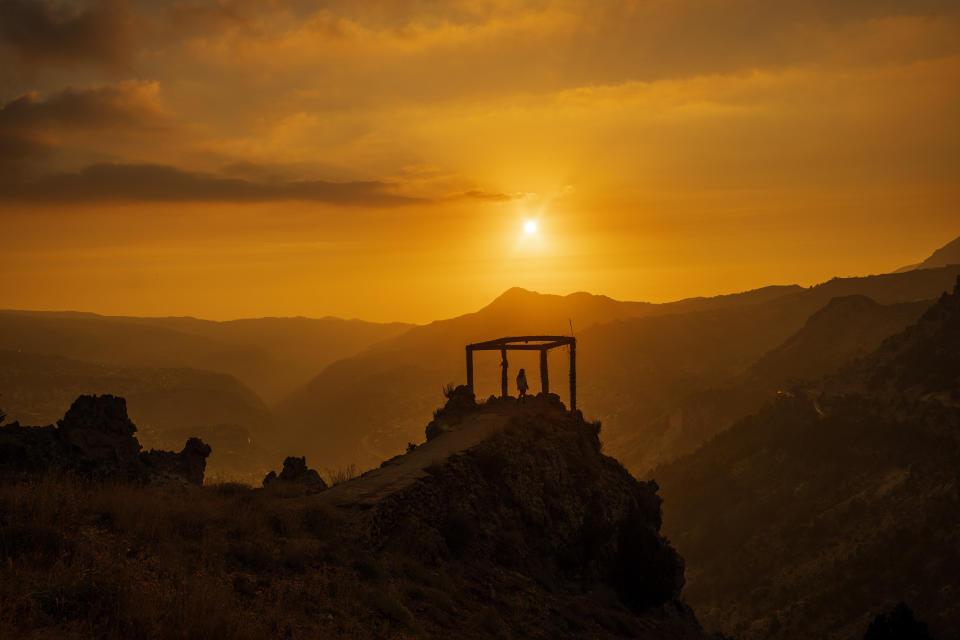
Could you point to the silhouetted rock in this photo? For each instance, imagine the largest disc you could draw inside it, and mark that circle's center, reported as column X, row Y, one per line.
column 189, row 464
column 99, row 428
column 460, row 403
column 536, row 498
column 96, row 438
column 295, row 470
column 897, row 623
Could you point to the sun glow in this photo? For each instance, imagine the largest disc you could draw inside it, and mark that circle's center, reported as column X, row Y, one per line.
column 530, row 227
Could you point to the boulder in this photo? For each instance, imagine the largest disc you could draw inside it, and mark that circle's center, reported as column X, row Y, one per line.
column 295, row 471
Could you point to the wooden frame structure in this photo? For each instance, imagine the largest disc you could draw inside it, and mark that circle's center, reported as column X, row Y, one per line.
column 543, row 344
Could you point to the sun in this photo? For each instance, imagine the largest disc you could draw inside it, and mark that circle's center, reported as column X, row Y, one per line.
column 530, row 227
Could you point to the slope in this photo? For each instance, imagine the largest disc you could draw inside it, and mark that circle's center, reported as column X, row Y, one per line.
column 807, row 518
column 844, row 329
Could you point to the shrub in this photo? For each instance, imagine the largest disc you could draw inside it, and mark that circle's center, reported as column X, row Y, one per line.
column 336, row 476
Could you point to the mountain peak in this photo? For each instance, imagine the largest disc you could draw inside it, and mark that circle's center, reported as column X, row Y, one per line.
column 946, row 255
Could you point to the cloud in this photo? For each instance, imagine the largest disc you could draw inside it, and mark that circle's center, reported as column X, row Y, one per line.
column 42, row 33
column 125, row 104
column 488, row 196
column 159, row 183
column 36, row 130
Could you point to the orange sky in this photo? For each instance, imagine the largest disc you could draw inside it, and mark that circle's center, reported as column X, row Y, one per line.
column 378, row 159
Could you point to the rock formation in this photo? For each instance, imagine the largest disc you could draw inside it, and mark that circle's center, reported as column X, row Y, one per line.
column 295, row 471
column 96, row 439
column 536, row 499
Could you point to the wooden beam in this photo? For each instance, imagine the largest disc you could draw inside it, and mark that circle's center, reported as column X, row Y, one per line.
column 517, row 341
column 508, row 347
column 573, row 375
column 544, row 373
column 503, row 373
column 470, row 369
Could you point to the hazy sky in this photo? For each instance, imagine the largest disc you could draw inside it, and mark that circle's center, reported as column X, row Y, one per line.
column 378, row 159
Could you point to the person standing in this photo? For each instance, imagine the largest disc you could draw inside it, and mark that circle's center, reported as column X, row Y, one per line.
column 522, row 385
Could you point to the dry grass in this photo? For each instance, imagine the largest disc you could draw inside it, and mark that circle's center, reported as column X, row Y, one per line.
column 79, row 559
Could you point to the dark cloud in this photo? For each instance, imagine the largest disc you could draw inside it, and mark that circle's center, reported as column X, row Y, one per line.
column 42, row 32
column 119, row 105
column 159, row 183
column 33, row 129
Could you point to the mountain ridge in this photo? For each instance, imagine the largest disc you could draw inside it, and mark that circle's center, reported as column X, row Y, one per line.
column 945, row 255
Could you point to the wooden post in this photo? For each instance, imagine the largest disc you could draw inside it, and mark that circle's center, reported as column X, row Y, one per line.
column 503, row 373
column 573, row 375
column 544, row 373
column 470, row 369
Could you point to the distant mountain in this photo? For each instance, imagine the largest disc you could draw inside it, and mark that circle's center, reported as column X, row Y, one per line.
column 808, row 518
column 169, row 404
column 847, row 328
column 273, row 356
column 704, row 373
column 945, row 255
column 636, row 360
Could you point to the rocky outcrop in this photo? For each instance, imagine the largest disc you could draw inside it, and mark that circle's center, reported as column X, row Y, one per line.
column 189, row 464
column 538, row 499
column 460, row 403
column 96, row 439
column 295, row 471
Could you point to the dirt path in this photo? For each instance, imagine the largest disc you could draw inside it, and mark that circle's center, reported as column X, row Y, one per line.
column 374, row 485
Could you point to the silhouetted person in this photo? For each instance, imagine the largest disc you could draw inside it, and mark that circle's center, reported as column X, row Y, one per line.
column 522, row 385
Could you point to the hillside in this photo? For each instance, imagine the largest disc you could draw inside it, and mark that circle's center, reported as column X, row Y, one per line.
column 273, row 356
column 168, row 405
column 636, row 361
column 511, row 524
column 945, row 255
column 807, row 518
column 846, row 328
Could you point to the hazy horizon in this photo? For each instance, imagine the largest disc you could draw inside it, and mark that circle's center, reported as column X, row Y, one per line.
column 425, row 318
column 382, row 160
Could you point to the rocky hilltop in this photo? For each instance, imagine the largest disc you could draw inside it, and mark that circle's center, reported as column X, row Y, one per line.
column 96, row 439
column 536, row 520
column 509, row 522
